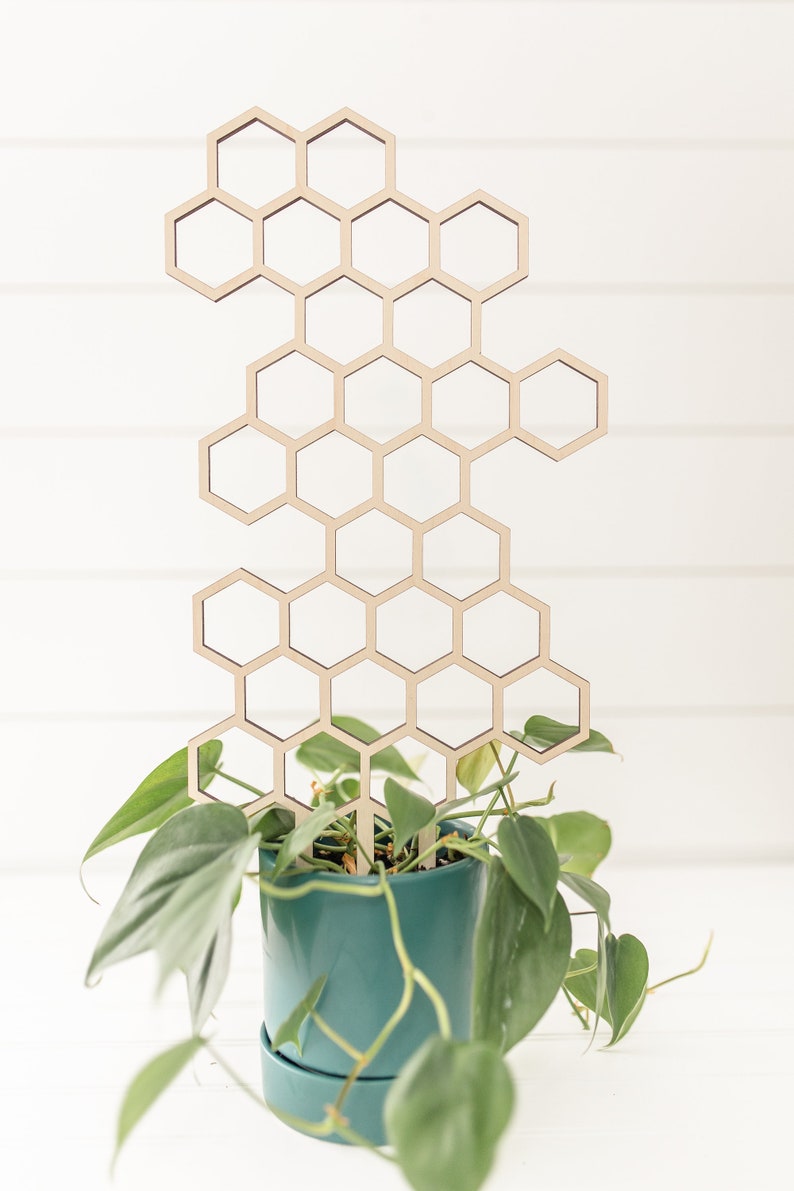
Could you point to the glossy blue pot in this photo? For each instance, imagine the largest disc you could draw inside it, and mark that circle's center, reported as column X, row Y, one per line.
column 349, row 940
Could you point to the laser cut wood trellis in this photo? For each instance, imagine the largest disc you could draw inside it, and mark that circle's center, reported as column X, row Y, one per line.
column 388, row 307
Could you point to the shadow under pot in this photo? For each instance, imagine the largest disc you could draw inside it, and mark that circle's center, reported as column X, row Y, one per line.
column 348, row 939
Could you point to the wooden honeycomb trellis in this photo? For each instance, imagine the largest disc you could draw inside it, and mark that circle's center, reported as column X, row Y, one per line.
column 420, row 445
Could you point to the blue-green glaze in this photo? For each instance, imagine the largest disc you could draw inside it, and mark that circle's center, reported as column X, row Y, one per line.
column 349, row 940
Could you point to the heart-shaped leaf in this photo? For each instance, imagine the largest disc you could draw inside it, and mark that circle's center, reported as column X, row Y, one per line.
column 540, row 732
column 529, row 857
column 627, row 982
column 159, row 796
column 518, row 965
column 445, row 1113
column 583, row 838
column 289, row 1030
column 304, row 835
column 189, row 841
column 582, row 980
column 473, row 769
column 325, row 754
column 409, row 812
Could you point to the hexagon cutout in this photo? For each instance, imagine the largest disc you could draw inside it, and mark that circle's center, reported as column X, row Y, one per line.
column 286, row 545
column 421, row 478
column 334, row 474
column 480, row 245
column 302, row 242
column 344, row 321
column 214, row 244
column 346, row 164
column 295, row 394
column 327, row 625
column 282, row 698
column 501, row 633
column 382, row 400
column 374, row 552
column 461, row 556
column 240, row 622
column 246, row 758
column 391, row 244
column 562, row 404
column 432, row 324
column 545, row 693
column 370, row 696
column 256, row 163
column 454, row 706
column 470, row 405
column 247, row 469
column 414, row 629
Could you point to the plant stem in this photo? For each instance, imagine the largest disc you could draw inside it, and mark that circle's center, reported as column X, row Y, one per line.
column 357, row 842
column 503, row 772
column 233, row 1075
column 336, row 1038
column 690, row 972
column 575, row 1007
column 238, row 782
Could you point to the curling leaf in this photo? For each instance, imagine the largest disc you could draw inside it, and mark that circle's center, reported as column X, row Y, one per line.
column 581, row 837
column 409, row 812
column 473, row 769
column 289, row 1030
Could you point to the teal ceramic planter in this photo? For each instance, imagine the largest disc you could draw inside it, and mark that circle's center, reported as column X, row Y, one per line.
column 349, row 940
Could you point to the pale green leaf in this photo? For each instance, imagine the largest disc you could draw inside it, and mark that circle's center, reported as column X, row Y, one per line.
column 583, row 838
column 187, row 924
column 289, row 1030
column 473, row 769
column 325, row 754
column 304, row 835
column 595, row 895
column 149, row 1084
column 188, row 841
column 409, row 812
column 582, row 980
column 529, row 857
column 518, row 966
column 207, row 976
column 445, row 1113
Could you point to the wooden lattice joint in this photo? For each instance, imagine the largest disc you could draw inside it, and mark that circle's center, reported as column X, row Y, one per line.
column 250, row 215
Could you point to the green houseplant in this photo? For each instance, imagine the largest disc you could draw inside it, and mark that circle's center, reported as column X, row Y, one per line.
column 445, row 1110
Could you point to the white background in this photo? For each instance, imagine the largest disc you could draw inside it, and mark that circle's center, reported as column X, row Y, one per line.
column 651, row 144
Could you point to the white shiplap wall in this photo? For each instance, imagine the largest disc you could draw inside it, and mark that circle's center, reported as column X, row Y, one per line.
column 652, row 145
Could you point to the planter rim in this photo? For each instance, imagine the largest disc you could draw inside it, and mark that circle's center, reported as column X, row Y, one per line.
column 371, row 878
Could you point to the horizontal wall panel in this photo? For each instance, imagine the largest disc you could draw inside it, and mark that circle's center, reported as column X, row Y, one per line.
column 478, row 69
column 77, row 646
column 127, row 503
column 171, row 358
column 597, row 215
column 684, row 789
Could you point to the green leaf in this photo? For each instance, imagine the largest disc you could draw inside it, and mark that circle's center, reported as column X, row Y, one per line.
column 445, row 1113
column 289, row 1030
column 627, row 982
column 473, row 769
column 324, row 754
column 529, row 857
column 583, row 837
column 408, row 812
column 518, row 966
column 190, row 840
column 158, row 797
column 304, row 835
column 207, row 976
column 271, row 823
column 187, row 924
column 595, row 895
column 582, row 980
column 150, row 1082
column 540, row 732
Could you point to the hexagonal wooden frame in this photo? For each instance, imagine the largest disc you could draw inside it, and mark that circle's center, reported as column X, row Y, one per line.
column 540, row 658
